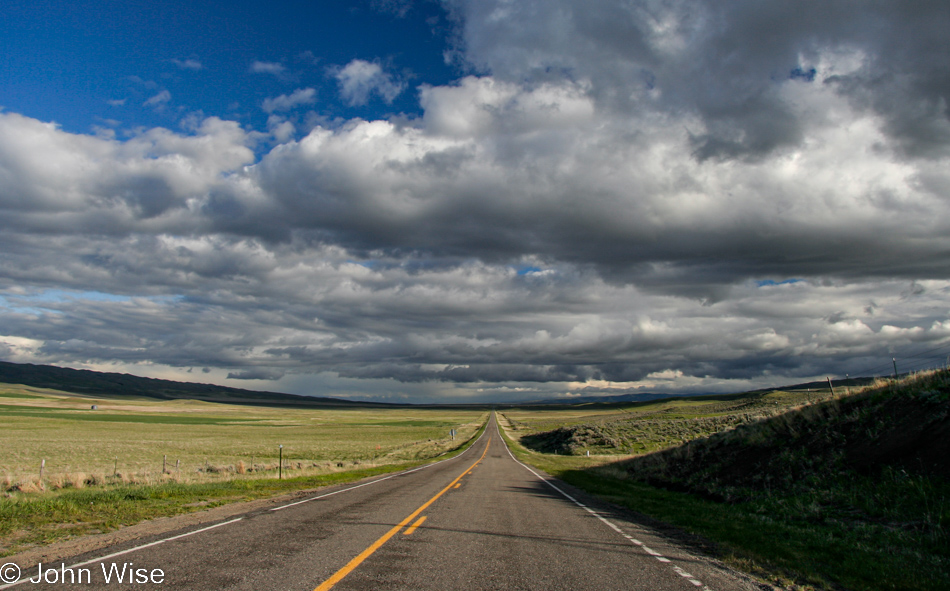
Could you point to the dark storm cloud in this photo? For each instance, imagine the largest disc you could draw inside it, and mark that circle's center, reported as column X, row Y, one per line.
column 621, row 194
column 723, row 60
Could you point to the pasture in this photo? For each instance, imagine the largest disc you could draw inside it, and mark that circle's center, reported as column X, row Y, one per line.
column 130, row 440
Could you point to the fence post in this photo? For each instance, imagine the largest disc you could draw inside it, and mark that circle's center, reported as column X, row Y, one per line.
column 280, row 462
column 832, row 388
column 42, row 465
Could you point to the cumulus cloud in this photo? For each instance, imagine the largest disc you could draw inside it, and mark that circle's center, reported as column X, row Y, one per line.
column 679, row 195
column 280, row 128
column 101, row 183
column 273, row 68
column 359, row 80
column 287, row 102
column 725, row 62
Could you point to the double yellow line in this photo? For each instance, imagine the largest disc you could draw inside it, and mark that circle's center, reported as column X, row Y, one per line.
column 340, row 574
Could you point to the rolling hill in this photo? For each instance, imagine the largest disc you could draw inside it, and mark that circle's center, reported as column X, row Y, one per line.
column 81, row 381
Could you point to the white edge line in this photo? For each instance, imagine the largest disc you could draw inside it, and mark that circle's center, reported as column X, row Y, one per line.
column 613, row 526
column 198, row 531
column 114, row 554
column 336, row 492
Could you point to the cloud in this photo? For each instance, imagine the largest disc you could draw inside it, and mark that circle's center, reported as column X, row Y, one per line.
column 359, row 80
column 159, row 100
column 187, row 64
column 398, row 8
column 273, row 68
column 102, row 183
column 287, row 102
column 698, row 196
column 280, row 128
column 147, row 84
column 671, row 58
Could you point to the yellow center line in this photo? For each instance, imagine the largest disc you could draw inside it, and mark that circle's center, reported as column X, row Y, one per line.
column 340, row 574
column 413, row 527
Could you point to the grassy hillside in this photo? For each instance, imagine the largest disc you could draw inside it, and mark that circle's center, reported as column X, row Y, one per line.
column 654, row 425
column 96, row 383
column 844, row 492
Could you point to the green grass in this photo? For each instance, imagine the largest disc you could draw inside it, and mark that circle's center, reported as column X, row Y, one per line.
column 28, row 520
column 100, row 417
column 409, row 423
column 793, row 555
column 203, row 440
column 644, row 427
column 104, row 468
column 777, row 548
column 18, row 395
column 849, row 493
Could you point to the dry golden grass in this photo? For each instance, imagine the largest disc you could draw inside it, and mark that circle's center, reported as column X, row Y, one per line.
column 129, row 441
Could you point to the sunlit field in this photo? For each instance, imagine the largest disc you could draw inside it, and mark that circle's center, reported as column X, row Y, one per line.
column 134, row 440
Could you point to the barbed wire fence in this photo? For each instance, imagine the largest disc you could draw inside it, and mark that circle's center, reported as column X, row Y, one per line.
column 908, row 362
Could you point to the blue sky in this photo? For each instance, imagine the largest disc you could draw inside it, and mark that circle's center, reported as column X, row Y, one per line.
column 475, row 200
column 86, row 64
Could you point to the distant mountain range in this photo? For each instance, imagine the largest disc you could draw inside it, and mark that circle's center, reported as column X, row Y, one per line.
column 82, row 381
column 647, row 396
column 640, row 397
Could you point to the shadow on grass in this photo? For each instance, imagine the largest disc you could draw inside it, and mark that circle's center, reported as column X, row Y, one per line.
column 852, row 493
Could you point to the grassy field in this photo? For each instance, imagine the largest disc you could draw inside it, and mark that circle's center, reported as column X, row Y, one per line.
column 104, row 467
column 643, row 427
column 202, row 441
column 802, row 489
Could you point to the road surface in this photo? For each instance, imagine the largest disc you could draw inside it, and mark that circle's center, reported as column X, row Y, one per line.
column 481, row 520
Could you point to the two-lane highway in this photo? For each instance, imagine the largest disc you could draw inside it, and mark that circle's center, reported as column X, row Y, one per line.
column 481, row 520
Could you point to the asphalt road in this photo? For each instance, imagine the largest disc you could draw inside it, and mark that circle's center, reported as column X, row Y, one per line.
column 480, row 520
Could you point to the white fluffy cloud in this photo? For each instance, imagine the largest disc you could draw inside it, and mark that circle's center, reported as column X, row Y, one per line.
column 287, row 102
column 359, row 80
column 618, row 196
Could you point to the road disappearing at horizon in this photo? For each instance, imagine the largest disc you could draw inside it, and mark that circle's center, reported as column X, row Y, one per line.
column 480, row 520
